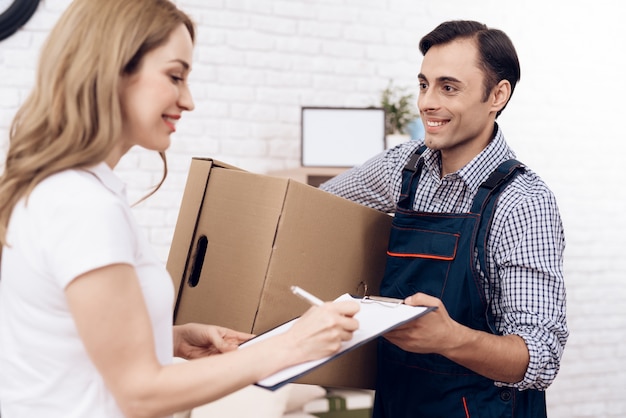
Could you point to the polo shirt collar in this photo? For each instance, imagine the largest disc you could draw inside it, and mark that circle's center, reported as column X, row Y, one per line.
column 108, row 178
column 476, row 171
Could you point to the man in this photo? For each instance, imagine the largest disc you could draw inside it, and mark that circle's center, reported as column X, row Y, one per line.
column 485, row 250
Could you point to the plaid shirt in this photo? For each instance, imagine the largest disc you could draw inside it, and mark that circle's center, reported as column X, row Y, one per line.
column 525, row 245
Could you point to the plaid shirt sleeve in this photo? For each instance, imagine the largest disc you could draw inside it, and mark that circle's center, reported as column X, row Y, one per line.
column 526, row 245
column 377, row 182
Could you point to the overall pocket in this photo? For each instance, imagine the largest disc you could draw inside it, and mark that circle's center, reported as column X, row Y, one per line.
column 416, row 253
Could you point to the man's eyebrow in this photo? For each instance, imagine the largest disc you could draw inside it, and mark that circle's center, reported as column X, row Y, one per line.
column 442, row 79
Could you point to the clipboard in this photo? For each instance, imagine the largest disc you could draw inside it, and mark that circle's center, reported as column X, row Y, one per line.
column 376, row 317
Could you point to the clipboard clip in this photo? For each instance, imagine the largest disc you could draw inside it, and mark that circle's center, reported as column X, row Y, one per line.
column 382, row 300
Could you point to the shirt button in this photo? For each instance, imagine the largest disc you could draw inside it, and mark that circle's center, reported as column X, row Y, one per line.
column 505, row 395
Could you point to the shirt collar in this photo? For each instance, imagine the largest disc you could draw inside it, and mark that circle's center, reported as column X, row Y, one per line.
column 476, row 171
column 108, row 178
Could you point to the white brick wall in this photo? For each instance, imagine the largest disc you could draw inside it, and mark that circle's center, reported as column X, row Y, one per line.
column 257, row 62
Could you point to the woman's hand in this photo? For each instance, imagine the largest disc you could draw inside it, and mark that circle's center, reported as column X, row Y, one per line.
column 321, row 330
column 198, row 340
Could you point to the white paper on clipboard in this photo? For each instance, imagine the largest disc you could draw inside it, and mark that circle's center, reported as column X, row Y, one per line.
column 375, row 318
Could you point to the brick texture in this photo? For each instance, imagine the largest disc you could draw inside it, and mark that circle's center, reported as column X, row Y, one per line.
column 257, row 62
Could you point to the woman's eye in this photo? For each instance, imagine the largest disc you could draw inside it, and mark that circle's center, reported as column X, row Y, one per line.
column 176, row 79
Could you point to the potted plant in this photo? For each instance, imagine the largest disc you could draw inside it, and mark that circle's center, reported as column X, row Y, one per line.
column 400, row 111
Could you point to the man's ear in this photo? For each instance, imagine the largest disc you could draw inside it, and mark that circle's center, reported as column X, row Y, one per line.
column 500, row 95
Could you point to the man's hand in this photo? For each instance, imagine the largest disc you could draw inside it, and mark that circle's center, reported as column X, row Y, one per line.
column 503, row 358
column 431, row 333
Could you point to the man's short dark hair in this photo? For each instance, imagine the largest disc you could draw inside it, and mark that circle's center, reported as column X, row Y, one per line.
column 497, row 55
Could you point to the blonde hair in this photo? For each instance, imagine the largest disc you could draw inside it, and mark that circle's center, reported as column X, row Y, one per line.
column 72, row 117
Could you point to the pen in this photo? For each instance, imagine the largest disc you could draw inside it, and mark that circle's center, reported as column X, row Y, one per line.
column 313, row 300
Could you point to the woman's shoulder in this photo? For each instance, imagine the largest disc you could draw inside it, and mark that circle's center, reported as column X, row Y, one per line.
column 72, row 187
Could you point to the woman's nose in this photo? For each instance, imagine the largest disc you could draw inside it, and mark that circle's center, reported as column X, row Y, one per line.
column 185, row 101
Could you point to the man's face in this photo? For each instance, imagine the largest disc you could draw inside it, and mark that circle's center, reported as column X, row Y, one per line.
column 457, row 121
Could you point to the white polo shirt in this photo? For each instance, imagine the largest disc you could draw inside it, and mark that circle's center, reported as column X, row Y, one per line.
column 73, row 222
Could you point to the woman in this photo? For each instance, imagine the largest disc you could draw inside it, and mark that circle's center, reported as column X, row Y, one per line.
column 85, row 305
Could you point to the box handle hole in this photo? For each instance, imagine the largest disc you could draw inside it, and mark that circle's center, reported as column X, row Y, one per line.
column 362, row 290
column 198, row 261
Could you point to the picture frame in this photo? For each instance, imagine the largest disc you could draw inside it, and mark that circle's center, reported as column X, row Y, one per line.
column 341, row 136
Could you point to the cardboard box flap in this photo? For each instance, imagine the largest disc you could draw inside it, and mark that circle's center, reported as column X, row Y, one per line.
column 311, row 216
column 191, row 207
column 234, row 239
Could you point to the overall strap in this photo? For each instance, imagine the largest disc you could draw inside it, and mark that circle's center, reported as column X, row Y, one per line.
column 484, row 204
column 501, row 176
column 411, row 174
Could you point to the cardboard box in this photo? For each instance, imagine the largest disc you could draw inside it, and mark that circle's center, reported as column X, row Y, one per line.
column 342, row 404
column 313, row 176
column 243, row 239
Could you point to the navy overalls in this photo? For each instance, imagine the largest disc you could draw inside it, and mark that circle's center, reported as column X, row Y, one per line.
column 434, row 253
